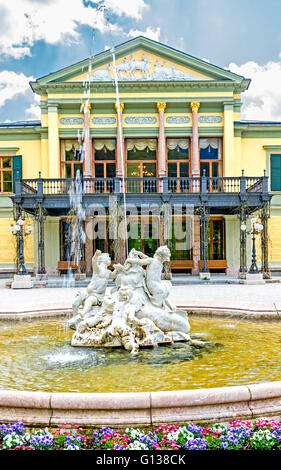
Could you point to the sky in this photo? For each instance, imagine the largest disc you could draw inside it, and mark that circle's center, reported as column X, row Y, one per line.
column 38, row 37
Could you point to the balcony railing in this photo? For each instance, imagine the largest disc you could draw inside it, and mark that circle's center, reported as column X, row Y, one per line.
column 64, row 186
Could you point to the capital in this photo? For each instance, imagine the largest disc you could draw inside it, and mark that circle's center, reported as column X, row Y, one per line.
column 161, row 106
column 121, row 107
column 195, row 105
column 86, row 107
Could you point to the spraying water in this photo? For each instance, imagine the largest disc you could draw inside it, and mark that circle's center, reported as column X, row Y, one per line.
column 121, row 150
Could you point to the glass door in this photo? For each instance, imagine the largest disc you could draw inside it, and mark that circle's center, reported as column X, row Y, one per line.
column 216, row 242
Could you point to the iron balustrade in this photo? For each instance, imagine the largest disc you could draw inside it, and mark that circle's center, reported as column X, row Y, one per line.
column 64, row 186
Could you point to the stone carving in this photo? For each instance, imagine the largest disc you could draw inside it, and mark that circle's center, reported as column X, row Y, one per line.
column 210, row 119
column 142, row 69
column 103, row 120
column 177, row 119
column 140, row 120
column 71, row 121
column 101, row 75
column 137, row 312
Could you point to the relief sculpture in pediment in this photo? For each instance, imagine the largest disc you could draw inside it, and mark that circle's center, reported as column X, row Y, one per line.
column 142, row 69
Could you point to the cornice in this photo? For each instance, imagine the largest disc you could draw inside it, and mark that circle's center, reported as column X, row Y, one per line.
column 147, row 85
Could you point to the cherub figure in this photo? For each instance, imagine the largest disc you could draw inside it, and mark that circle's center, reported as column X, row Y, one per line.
column 95, row 291
column 156, row 289
column 123, row 316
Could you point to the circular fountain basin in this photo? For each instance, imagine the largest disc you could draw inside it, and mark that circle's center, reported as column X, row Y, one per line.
column 164, row 384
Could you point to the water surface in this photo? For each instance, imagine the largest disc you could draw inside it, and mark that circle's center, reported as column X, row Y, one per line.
column 37, row 355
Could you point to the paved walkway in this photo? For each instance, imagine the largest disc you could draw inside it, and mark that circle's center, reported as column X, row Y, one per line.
column 215, row 298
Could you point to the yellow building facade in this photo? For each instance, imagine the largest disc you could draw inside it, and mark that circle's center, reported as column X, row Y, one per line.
column 170, row 133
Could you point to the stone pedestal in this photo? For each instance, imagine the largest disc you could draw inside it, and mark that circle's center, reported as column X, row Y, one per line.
column 41, row 277
column 80, row 277
column 22, row 282
column 254, row 278
column 204, row 276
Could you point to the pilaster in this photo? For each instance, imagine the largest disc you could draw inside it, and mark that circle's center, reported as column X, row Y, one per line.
column 120, row 150
column 54, row 147
column 162, row 171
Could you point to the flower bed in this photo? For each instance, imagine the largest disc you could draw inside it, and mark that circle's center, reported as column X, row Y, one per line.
column 262, row 434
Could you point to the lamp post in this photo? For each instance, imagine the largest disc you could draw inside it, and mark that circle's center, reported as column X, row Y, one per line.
column 19, row 231
column 256, row 228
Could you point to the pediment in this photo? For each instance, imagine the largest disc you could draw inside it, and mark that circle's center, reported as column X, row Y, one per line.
column 142, row 59
column 141, row 65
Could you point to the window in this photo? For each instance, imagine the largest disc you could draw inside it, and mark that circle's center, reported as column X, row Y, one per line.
column 178, row 163
column 6, row 175
column 141, row 162
column 216, row 239
column 71, row 158
column 275, row 172
column 104, row 163
column 104, row 158
column 210, row 157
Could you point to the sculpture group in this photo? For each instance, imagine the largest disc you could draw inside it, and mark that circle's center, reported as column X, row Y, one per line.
column 136, row 312
column 134, row 69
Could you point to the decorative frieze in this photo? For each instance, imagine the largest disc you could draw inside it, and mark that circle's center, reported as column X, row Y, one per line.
column 104, row 120
column 133, row 120
column 71, row 121
column 210, row 119
column 177, row 119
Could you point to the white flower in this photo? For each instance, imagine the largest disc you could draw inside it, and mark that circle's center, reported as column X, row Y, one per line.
column 137, row 446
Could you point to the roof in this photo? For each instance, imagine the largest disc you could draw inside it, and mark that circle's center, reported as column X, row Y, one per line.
column 31, row 123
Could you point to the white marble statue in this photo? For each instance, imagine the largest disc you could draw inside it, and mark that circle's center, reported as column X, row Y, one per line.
column 136, row 312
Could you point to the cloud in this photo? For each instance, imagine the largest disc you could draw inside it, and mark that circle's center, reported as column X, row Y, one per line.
column 13, row 84
column 148, row 33
column 34, row 111
column 262, row 101
column 130, row 8
column 24, row 22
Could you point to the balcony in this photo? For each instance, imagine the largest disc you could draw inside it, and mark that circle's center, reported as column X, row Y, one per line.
column 220, row 194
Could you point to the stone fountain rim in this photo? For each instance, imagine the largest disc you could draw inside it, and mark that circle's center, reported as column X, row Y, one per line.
column 146, row 409
column 143, row 409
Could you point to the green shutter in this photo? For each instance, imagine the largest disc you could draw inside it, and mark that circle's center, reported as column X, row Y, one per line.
column 275, row 167
column 17, row 168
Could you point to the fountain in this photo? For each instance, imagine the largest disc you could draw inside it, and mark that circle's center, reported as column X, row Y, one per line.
column 136, row 313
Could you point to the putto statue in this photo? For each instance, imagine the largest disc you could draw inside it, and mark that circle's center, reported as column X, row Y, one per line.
column 136, row 312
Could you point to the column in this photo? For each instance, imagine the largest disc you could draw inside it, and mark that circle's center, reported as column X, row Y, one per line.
column 120, row 142
column 228, row 141
column 88, row 160
column 195, row 157
column 54, row 142
column 195, row 173
column 162, row 172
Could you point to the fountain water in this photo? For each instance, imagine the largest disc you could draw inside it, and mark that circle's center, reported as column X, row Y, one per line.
column 76, row 235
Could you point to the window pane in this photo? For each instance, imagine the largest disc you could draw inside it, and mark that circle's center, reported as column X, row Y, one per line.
column 215, row 169
column 7, row 176
column 99, row 170
column 110, row 170
column 145, row 154
column 172, row 170
column 78, row 166
column 7, row 187
column 178, row 154
column 217, row 240
column 104, row 154
column 66, row 171
column 133, row 170
column 184, row 169
column 204, row 166
column 7, row 162
column 149, row 170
